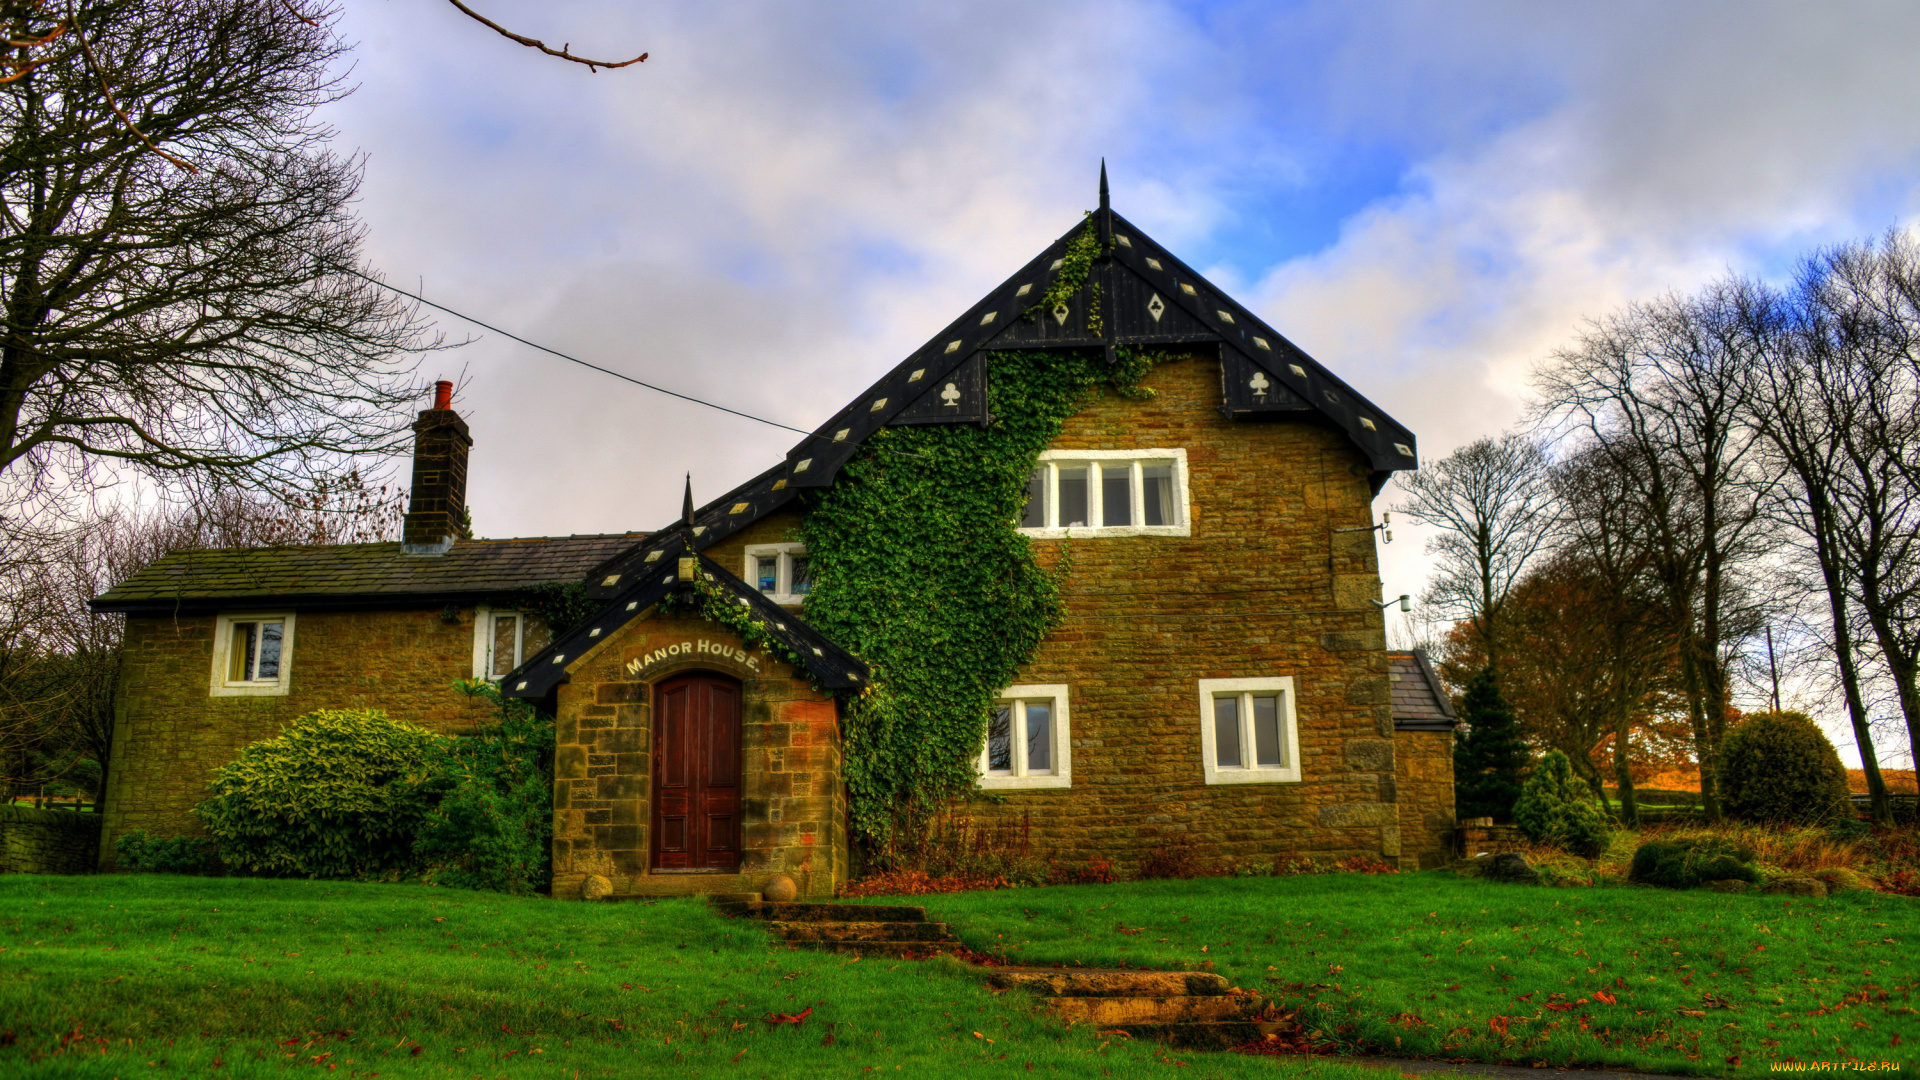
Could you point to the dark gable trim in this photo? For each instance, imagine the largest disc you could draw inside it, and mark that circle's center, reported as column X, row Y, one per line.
column 828, row 664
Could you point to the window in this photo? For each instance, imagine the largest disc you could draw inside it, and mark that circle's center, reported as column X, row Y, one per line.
column 1027, row 743
column 252, row 653
column 1247, row 731
column 780, row 571
column 1107, row 493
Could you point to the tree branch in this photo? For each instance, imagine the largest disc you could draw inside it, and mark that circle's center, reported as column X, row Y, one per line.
column 536, row 43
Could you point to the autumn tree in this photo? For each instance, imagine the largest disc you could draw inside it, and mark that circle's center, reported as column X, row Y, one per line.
column 1657, row 393
column 1491, row 502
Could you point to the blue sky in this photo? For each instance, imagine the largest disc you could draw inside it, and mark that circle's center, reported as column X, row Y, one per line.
column 787, row 198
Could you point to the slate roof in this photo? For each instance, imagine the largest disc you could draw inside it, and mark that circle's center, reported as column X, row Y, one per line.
column 1420, row 703
column 360, row 575
column 831, row 666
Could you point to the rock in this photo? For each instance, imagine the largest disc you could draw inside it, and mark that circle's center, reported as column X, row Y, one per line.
column 1843, row 879
column 781, row 890
column 595, row 888
column 1797, row 886
column 1734, row 885
column 1512, row 866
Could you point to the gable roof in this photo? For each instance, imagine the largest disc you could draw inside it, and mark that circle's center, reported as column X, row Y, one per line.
column 1420, row 703
column 831, row 666
column 1147, row 297
column 350, row 575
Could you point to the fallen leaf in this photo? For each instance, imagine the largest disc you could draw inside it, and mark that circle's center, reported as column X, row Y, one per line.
column 1603, row 996
column 1695, row 1013
column 783, row 1018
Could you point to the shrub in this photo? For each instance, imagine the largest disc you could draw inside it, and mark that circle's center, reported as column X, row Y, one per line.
column 492, row 827
column 1556, row 807
column 1689, row 863
column 1178, row 862
column 142, row 853
column 1779, row 768
column 339, row 794
column 1489, row 757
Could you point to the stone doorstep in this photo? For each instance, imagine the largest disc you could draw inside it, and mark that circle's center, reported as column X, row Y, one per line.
column 859, row 932
column 1110, row 982
column 805, row 912
column 1125, row 1012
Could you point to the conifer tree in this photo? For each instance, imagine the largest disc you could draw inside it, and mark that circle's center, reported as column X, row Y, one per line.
column 1489, row 760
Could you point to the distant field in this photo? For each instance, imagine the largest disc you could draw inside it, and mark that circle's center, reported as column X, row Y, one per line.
column 1899, row 781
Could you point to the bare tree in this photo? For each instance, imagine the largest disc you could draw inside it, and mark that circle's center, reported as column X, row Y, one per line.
column 1494, row 506
column 208, row 324
column 1657, row 392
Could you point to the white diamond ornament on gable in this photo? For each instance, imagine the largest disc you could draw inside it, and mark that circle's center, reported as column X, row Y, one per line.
column 1060, row 313
column 1156, row 307
column 951, row 396
column 1259, row 384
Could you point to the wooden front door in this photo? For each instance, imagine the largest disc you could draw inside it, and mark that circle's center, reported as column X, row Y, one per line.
column 696, row 773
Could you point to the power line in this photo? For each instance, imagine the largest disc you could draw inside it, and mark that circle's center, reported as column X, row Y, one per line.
column 595, row 367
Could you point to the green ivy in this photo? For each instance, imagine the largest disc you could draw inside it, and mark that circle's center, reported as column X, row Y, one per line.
column 919, row 570
column 562, row 604
column 716, row 605
column 1082, row 251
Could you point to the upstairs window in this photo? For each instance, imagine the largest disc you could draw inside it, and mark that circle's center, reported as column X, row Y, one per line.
column 503, row 639
column 1247, row 731
column 1107, row 493
column 780, row 571
column 251, row 654
column 1027, row 739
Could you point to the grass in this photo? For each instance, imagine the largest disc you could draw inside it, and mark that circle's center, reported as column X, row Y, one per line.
column 151, row 975
column 1432, row 965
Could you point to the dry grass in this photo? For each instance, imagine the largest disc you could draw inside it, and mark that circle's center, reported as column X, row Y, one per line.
column 1899, row 781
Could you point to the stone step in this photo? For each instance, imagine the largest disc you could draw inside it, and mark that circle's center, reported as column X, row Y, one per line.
column 878, row 948
column 1205, row 1035
column 1108, row 1012
column 803, row 912
column 1110, row 982
column 860, row 931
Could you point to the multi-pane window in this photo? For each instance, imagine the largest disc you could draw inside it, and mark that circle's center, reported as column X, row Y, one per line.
column 252, row 653
column 1027, row 742
column 1107, row 492
column 503, row 639
column 780, row 571
column 1247, row 731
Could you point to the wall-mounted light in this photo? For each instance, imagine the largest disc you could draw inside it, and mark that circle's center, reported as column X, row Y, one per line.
column 1405, row 602
column 1386, row 533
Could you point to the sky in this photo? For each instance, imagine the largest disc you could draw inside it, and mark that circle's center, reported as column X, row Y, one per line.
column 786, row 199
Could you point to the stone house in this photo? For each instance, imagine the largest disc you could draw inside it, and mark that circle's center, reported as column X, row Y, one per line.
column 1219, row 679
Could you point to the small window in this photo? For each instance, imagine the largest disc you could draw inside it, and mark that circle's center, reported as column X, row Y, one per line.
column 502, row 641
column 1107, row 493
column 1247, row 731
column 781, row 572
column 1027, row 739
column 252, row 654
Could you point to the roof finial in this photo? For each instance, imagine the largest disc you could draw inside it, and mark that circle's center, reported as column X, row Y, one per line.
column 1106, row 212
column 1103, row 185
column 686, row 505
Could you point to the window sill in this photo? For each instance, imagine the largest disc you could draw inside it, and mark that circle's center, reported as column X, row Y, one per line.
column 1253, row 776
column 1020, row 783
column 272, row 689
column 1080, row 532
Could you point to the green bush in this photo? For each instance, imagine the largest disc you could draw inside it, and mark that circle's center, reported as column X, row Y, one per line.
column 1556, row 807
column 1779, row 768
column 493, row 825
column 339, row 794
column 1689, row 863
column 142, row 853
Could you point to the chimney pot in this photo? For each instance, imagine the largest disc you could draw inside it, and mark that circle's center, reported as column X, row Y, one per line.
column 442, row 395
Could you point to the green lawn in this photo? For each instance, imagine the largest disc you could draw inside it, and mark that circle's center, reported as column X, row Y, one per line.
column 1432, row 965
column 125, row 976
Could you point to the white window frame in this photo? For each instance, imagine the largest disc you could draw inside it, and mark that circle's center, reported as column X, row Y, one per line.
column 220, row 686
column 483, row 639
column 783, row 590
column 1245, row 689
column 1051, row 461
column 1062, row 774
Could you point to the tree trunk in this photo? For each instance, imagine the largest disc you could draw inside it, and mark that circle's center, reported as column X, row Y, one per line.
column 1881, row 806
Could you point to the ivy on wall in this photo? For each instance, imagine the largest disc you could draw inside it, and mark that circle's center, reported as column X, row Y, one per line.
column 1075, row 265
column 919, row 570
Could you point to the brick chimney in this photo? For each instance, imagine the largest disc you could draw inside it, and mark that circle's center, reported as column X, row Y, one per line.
column 438, row 506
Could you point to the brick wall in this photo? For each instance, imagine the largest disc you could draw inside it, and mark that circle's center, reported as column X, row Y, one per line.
column 47, row 841
column 793, row 805
column 1262, row 587
column 1424, row 761
column 170, row 736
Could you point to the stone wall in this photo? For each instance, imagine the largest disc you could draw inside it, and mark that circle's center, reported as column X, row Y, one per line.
column 1264, row 586
column 1425, row 780
column 793, row 804
column 48, row 841
column 170, row 736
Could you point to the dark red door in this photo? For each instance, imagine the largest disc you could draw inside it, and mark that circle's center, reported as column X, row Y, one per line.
column 696, row 773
